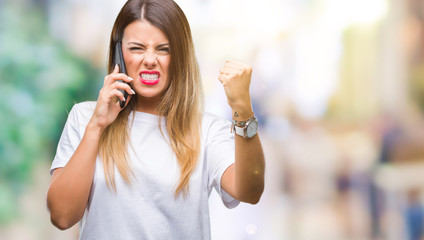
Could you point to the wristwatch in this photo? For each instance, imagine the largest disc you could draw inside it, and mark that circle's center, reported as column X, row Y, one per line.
column 246, row 129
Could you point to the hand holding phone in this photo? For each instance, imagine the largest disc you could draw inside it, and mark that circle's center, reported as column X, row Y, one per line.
column 118, row 59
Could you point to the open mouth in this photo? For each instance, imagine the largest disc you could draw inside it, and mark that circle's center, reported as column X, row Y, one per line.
column 149, row 77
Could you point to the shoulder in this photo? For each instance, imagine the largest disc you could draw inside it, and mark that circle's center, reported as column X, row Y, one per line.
column 82, row 111
column 212, row 119
column 212, row 124
column 85, row 106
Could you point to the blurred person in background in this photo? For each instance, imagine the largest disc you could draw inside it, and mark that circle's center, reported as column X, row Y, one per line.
column 147, row 170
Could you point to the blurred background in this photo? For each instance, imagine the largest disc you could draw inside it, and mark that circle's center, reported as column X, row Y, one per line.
column 338, row 87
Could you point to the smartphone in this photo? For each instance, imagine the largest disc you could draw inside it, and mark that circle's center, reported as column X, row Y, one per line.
column 119, row 59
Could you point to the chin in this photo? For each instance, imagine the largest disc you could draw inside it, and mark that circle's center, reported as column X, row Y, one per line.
column 149, row 94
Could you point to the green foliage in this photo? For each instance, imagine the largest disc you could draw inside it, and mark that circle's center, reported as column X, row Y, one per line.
column 40, row 80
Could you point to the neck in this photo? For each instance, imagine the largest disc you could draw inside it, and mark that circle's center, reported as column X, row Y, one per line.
column 147, row 105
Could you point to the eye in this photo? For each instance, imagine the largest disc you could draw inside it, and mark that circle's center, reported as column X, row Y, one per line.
column 133, row 49
column 164, row 50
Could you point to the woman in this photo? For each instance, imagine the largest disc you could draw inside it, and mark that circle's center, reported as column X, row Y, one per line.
column 145, row 171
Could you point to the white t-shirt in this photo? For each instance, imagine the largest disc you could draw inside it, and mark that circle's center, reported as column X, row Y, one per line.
column 147, row 209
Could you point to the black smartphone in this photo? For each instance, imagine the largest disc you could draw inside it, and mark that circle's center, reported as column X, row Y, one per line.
column 119, row 59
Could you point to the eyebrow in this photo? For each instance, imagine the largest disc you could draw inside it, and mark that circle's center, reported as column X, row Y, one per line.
column 142, row 45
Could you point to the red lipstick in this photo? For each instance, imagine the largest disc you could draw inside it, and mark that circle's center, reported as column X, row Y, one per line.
column 149, row 77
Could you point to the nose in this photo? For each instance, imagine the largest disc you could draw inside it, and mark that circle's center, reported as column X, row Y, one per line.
column 150, row 59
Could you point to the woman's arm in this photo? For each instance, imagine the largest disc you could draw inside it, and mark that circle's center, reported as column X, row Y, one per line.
column 70, row 186
column 243, row 180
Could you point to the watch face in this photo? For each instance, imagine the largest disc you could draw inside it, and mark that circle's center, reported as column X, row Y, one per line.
column 252, row 129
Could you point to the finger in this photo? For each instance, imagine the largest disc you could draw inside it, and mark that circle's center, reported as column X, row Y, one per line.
column 224, row 79
column 118, row 94
column 110, row 96
column 228, row 70
column 121, row 76
column 129, row 90
column 231, row 69
column 113, row 77
column 115, row 70
column 109, row 93
column 124, row 86
column 238, row 62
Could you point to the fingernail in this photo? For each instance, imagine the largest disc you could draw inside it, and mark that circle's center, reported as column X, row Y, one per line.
column 132, row 91
column 130, row 78
column 116, row 65
column 124, row 99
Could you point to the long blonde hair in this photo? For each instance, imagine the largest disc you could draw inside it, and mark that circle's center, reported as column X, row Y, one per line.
column 181, row 104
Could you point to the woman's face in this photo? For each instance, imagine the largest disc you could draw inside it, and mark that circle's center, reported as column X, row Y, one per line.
column 147, row 58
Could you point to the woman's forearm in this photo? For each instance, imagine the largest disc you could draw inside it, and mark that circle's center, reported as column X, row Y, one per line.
column 249, row 169
column 70, row 186
column 245, row 179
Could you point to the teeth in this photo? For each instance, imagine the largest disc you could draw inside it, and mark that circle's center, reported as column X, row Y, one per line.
column 148, row 76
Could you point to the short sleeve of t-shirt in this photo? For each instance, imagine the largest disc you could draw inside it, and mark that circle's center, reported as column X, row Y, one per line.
column 71, row 135
column 220, row 154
